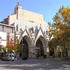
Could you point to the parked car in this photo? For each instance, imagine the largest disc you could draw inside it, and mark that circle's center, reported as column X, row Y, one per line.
column 5, row 58
column 11, row 56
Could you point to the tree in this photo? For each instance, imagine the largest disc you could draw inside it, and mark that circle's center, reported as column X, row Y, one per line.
column 61, row 27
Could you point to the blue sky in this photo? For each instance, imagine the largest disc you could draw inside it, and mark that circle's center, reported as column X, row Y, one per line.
column 47, row 8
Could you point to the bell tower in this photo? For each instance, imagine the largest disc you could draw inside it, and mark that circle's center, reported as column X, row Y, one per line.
column 17, row 7
column 17, row 10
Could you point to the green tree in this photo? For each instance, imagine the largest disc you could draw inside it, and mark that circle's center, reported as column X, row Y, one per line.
column 61, row 27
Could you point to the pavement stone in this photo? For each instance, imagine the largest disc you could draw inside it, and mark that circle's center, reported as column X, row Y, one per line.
column 36, row 64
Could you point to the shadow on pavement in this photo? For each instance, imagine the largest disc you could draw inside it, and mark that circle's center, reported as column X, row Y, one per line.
column 35, row 64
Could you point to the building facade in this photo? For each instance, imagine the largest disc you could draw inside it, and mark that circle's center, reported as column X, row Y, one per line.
column 6, row 34
column 31, row 30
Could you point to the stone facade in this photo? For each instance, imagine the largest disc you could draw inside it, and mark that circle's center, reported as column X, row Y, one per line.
column 31, row 31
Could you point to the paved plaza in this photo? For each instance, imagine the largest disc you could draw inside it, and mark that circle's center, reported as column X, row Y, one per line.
column 36, row 64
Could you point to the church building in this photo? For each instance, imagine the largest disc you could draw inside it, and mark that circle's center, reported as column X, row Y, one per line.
column 30, row 29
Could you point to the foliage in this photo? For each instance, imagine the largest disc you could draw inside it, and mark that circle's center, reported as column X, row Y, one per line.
column 61, row 27
column 1, row 48
column 52, row 43
column 15, row 47
column 11, row 47
column 19, row 48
